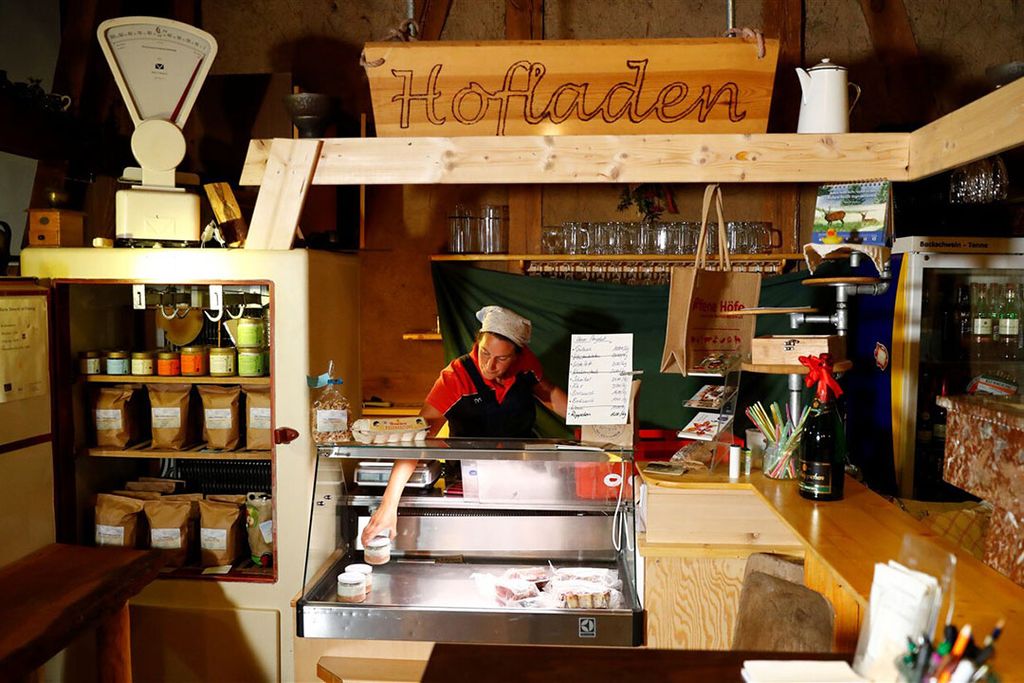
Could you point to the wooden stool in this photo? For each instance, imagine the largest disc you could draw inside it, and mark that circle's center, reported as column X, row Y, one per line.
column 781, row 616
column 779, row 566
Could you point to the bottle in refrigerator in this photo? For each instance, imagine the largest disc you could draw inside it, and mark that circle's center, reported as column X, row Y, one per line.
column 1009, row 324
column 981, row 324
column 963, row 321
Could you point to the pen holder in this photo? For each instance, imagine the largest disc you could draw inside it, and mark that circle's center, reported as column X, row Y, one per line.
column 778, row 464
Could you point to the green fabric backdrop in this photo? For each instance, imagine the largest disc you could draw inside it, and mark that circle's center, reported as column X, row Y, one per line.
column 561, row 308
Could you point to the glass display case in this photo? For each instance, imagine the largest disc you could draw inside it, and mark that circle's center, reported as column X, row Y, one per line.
column 515, row 542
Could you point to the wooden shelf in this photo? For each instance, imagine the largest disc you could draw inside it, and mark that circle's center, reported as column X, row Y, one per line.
column 840, row 281
column 421, row 336
column 195, row 453
column 177, row 379
column 770, row 369
column 626, row 258
column 244, row 572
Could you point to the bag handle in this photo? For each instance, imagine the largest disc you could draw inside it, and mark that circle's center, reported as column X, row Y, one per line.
column 713, row 192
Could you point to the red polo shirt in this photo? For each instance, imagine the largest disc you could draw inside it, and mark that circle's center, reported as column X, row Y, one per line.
column 454, row 382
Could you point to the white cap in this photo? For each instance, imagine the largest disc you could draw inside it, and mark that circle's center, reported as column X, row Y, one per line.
column 506, row 323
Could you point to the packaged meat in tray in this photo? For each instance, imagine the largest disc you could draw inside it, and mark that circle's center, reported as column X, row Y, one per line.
column 584, row 595
column 389, row 430
column 509, row 592
column 598, row 575
column 537, row 575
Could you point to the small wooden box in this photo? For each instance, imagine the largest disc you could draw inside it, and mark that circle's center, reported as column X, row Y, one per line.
column 778, row 349
column 56, row 228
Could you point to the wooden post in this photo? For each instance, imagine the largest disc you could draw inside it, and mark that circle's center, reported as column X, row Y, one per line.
column 784, row 19
column 113, row 648
column 524, row 20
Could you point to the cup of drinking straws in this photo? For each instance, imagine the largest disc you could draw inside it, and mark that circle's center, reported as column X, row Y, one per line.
column 783, row 435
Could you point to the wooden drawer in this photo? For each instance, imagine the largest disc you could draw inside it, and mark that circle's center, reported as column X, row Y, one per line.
column 56, row 228
column 779, row 349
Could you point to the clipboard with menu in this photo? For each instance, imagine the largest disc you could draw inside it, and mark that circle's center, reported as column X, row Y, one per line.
column 601, row 389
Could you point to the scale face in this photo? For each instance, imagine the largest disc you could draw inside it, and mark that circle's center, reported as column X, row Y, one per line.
column 159, row 65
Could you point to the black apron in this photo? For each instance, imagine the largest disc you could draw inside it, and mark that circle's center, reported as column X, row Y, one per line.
column 480, row 415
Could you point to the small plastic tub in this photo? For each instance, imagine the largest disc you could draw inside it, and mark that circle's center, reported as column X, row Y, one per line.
column 351, row 587
column 364, row 569
column 378, row 550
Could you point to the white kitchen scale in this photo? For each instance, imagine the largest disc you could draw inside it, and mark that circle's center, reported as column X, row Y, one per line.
column 159, row 66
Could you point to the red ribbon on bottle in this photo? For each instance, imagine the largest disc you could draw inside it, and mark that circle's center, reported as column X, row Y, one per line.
column 819, row 371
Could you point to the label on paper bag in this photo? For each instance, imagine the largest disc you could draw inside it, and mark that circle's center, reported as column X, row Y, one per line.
column 168, row 539
column 166, row 418
column 267, row 530
column 109, row 535
column 213, row 539
column 259, row 418
column 108, row 420
column 331, row 420
column 218, row 418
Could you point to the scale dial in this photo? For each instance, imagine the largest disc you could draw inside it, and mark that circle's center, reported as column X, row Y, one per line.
column 159, row 65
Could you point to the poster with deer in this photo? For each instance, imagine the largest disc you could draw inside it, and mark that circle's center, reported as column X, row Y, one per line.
column 852, row 213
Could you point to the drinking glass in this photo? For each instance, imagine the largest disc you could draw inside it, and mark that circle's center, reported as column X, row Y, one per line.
column 462, row 230
column 493, row 229
column 779, row 464
column 552, row 240
column 577, row 237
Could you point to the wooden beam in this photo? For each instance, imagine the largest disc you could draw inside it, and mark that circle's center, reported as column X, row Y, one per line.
column 524, row 20
column 289, row 169
column 602, row 159
column 432, row 15
column 909, row 95
column 985, row 127
column 784, row 19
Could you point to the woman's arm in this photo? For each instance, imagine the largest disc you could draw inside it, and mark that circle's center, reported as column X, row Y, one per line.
column 385, row 517
column 551, row 396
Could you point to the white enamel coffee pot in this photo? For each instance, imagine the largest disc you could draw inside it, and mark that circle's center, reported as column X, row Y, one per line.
column 824, row 104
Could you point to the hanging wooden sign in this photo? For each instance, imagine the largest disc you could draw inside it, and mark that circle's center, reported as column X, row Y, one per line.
column 570, row 87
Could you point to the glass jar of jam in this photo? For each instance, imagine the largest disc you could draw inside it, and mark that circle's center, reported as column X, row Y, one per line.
column 168, row 363
column 250, row 332
column 222, row 361
column 195, row 360
column 250, row 362
column 90, row 362
column 117, row 362
column 142, row 362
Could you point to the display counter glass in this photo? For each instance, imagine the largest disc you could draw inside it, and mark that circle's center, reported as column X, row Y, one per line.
column 497, row 541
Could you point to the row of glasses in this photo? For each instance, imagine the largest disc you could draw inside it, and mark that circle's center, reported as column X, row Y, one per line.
column 659, row 238
column 478, row 231
column 626, row 273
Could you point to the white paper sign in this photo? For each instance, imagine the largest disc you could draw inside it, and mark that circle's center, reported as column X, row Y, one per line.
column 600, row 375
column 24, row 363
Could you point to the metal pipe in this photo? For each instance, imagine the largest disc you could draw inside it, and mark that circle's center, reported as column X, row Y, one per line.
column 796, row 391
column 730, row 14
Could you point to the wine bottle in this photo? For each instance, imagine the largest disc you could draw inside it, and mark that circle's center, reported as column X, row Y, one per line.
column 981, row 324
column 1009, row 323
column 963, row 321
column 822, row 471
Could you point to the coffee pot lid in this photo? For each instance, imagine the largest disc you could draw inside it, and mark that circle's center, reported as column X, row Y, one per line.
column 826, row 64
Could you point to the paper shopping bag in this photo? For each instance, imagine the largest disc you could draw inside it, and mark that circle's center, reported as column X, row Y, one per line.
column 698, row 336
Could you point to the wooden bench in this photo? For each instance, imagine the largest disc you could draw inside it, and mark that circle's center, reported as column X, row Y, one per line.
column 58, row 592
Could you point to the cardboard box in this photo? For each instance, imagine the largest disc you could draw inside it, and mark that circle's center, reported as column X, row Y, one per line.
column 56, row 228
column 778, row 349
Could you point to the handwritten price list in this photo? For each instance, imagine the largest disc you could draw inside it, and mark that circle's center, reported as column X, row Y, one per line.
column 600, row 377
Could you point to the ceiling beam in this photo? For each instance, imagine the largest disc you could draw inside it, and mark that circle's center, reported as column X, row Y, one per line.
column 431, row 16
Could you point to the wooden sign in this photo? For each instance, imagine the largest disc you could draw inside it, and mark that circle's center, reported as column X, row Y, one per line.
column 570, row 87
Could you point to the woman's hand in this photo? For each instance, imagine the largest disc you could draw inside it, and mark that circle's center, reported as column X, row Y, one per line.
column 383, row 521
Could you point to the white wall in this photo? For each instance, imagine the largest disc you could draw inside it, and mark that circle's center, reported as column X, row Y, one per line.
column 29, row 41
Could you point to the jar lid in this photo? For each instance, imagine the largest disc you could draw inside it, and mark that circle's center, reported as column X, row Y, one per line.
column 90, row 354
column 250, row 321
column 142, row 354
column 193, row 349
column 379, row 542
column 351, row 578
column 167, row 355
column 251, row 349
column 117, row 354
column 359, row 569
column 222, row 351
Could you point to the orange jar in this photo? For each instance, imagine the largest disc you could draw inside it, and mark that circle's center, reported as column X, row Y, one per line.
column 168, row 363
column 195, row 360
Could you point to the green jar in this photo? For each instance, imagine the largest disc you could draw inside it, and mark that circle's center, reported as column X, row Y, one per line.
column 250, row 362
column 250, row 332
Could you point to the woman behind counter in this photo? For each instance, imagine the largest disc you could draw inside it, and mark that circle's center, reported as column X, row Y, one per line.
column 488, row 393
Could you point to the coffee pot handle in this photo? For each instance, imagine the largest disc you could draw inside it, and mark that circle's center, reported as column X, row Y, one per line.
column 856, row 96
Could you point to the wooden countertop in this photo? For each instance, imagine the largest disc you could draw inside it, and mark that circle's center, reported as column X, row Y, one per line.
column 851, row 535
